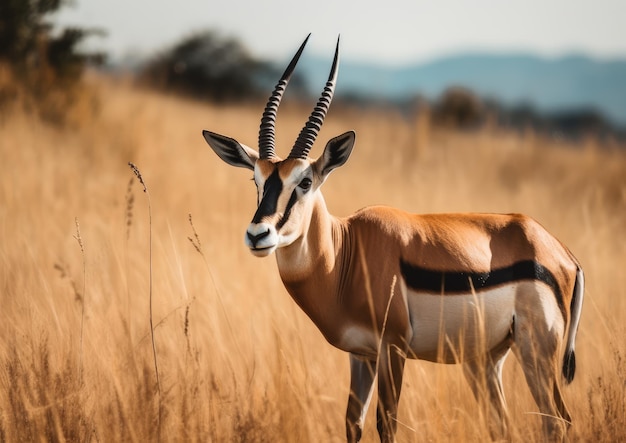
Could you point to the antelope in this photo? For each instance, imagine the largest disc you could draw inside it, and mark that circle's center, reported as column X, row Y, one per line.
column 385, row 285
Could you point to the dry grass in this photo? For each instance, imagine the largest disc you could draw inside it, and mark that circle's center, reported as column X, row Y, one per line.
column 238, row 361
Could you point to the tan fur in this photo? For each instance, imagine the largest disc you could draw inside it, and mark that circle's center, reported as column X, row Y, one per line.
column 341, row 270
column 346, row 275
column 330, row 280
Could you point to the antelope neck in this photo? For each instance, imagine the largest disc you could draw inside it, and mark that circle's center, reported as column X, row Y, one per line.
column 317, row 257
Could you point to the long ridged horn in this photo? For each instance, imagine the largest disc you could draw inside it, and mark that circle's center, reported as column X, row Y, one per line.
column 307, row 136
column 267, row 131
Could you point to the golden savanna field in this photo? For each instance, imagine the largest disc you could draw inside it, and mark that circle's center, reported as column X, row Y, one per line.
column 83, row 248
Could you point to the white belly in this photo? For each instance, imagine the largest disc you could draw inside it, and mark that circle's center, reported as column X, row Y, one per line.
column 460, row 324
column 455, row 327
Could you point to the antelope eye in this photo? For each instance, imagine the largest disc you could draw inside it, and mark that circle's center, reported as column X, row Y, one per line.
column 305, row 184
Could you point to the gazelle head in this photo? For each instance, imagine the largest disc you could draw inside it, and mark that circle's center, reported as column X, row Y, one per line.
column 286, row 188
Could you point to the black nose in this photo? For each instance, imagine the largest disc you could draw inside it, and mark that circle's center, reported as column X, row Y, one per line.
column 255, row 238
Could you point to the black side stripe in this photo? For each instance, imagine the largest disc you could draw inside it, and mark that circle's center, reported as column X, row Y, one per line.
column 441, row 282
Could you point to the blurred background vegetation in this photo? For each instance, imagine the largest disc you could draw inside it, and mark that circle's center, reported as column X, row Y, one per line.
column 41, row 68
column 208, row 66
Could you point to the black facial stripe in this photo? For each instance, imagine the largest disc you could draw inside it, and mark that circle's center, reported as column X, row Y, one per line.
column 269, row 202
column 292, row 201
column 421, row 279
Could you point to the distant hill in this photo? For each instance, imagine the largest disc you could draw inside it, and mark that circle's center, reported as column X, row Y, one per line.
column 548, row 84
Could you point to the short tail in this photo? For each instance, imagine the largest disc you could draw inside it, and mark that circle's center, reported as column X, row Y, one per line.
column 569, row 357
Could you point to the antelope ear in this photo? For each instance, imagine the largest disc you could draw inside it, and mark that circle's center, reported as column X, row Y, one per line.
column 336, row 153
column 231, row 151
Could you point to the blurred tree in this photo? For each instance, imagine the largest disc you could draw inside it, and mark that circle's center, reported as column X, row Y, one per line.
column 458, row 108
column 37, row 62
column 208, row 66
column 27, row 40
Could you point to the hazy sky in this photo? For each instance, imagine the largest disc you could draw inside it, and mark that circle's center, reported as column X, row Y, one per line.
column 389, row 31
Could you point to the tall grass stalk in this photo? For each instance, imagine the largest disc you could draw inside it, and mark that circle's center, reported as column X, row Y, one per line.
column 154, row 351
column 79, row 239
column 197, row 245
